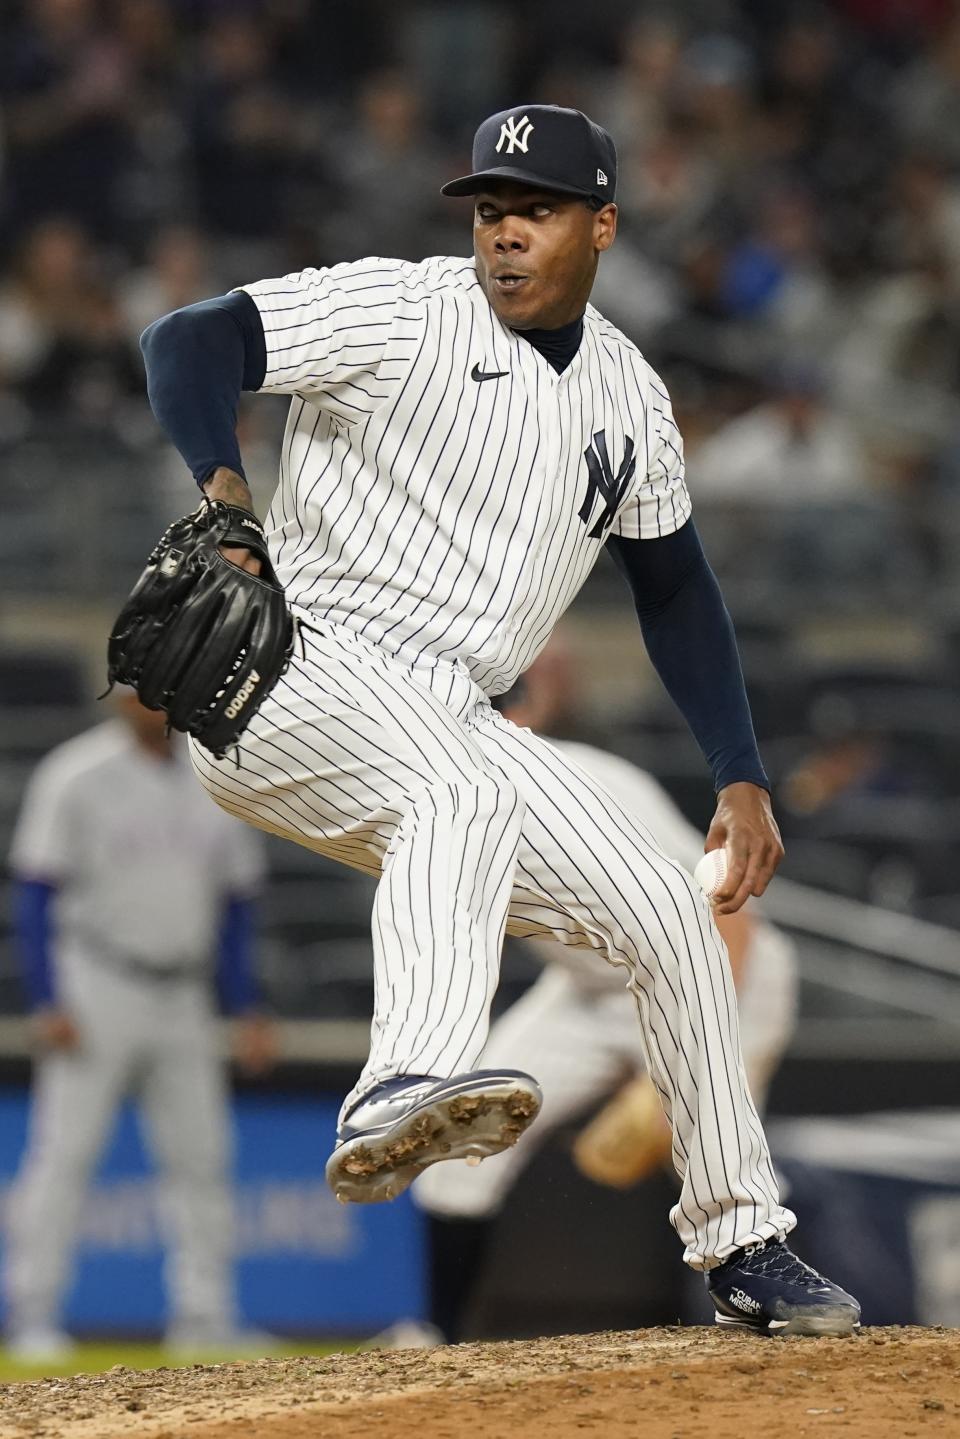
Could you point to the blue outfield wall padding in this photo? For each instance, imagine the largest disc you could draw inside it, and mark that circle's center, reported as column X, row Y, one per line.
column 305, row 1264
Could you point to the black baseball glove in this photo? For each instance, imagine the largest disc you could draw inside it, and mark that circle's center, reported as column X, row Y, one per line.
column 199, row 637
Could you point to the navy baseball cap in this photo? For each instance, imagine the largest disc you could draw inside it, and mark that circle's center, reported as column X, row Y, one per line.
column 546, row 146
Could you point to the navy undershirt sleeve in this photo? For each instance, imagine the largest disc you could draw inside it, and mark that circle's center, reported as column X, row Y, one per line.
column 689, row 637
column 236, row 984
column 33, row 901
column 198, row 360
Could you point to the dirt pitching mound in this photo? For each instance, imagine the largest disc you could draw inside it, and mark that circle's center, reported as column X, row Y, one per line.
column 658, row 1383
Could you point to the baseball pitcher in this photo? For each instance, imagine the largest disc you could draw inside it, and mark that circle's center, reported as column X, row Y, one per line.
column 464, row 437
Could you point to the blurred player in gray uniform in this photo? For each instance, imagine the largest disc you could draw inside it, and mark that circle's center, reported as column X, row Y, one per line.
column 576, row 1029
column 128, row 884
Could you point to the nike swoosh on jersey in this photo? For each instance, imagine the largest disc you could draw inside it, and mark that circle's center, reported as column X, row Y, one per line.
column 477, row 374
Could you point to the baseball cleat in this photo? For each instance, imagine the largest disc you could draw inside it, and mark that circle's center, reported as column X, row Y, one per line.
column 401, row 1127
column 766, row 1288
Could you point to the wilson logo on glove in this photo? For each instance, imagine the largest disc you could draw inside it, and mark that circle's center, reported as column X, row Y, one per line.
column 241, row 697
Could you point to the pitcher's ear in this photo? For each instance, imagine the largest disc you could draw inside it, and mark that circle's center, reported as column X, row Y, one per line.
column 605, row 227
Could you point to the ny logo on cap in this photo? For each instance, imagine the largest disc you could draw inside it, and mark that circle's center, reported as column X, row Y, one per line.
column 515, row 134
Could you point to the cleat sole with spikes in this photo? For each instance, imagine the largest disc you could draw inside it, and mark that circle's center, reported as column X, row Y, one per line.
column 831, row 1323
column 478, row 1121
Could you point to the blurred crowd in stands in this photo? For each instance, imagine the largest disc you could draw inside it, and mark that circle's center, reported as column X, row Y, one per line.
column 790, row 197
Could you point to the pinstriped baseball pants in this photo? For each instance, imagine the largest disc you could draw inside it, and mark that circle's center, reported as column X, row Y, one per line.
column 476, row 827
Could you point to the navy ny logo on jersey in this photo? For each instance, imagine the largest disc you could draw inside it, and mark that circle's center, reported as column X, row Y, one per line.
column 603, row 482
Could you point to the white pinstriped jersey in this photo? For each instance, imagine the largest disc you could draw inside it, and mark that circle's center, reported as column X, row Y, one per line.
column 443, row 491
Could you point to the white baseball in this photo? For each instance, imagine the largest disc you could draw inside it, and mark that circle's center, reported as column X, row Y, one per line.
column 711, row 871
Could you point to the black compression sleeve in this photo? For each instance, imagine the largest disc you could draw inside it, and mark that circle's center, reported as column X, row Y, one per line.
column 689, row 637
column 198, row 359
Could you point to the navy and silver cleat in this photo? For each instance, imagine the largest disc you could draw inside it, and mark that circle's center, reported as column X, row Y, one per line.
column 403, row 1126
column 768, row 1289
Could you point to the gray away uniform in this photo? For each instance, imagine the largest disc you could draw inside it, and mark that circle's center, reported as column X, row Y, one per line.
column 142, row 864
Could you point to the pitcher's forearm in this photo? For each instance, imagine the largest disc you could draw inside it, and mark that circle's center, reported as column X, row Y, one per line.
column 230, row 487
column 690, row 640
